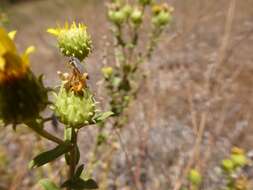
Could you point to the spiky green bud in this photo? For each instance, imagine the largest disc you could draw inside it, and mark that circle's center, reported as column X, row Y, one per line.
column 74, row 110
column 73, row 41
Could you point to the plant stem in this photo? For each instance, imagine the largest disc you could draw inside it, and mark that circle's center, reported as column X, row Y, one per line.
column 73, row 156
column 42, row 132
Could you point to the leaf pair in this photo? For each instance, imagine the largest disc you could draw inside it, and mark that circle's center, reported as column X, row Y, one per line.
column 80, row 184
column 77, row 183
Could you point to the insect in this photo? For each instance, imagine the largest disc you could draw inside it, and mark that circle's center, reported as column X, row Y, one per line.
column 77, row 80
column 76, row 64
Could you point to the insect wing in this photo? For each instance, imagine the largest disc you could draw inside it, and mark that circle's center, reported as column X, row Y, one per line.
column 76, row 64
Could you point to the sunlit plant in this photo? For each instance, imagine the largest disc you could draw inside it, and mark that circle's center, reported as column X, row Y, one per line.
column 123, row 77
column 23, row 97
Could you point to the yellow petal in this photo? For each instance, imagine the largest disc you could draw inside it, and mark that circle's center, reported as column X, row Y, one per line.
column 29, row 50
column 2, row 64
column 66, row 25
column 6, row 44
column 25, row 56
column 53, row 31
column 12, row 34
column 73, row 25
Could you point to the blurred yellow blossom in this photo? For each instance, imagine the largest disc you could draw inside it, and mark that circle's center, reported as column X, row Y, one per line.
column 12, row 65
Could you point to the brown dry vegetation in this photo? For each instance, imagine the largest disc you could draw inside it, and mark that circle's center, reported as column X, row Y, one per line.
column 195, row 104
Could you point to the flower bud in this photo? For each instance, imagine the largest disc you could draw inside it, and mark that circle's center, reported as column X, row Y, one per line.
column 239, row 160
column 136, row 17
column 73, row 41
column 127, row 10
column 238, row 157
column 107, row 72
column 117, row 17
column 161, row 14
column 73, row 109
column 195, row 177
column 162, row 19
column 227, row 165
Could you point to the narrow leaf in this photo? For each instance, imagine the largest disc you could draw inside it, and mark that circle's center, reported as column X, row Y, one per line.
column 50, row 155
column 79, row 171
column 102, row 116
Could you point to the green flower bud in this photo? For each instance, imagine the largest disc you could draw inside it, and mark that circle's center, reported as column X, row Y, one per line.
column 73, row 40
column 194, row 177
column 22, row 99
column 227, row 165
column 107, row 72
column 74, row 110
column 162, row 19
column 239, row 160
column 117, row 17
column 136, row 16
column 127, row 10
column 145, row 2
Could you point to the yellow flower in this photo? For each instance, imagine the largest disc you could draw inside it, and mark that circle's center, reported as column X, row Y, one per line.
column 57, row 31
column 12, row 65
column 73, row 40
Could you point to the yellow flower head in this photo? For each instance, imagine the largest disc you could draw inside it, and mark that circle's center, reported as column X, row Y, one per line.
column 73, row 40
column 12, row 65
column 157, row 8
column 237, row 150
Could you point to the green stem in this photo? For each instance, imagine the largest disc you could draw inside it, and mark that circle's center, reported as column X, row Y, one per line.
column 42, row 132
column 73, row 155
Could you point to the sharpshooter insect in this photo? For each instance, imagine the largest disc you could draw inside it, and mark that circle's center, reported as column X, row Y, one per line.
column 76, row 64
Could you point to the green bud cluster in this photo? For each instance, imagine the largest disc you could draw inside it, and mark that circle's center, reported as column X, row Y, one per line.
column 75, row 42
column 74, row 110
column 237, row 159
column 22, row 100
column 118, row 13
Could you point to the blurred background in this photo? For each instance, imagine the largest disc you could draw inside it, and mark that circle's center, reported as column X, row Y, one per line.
column 196, row 103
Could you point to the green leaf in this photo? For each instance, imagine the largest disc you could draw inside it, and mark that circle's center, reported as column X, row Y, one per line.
column 80, row 184
column 48, row 185
column 50, row 155
column 79, row 171
column 102, row 116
